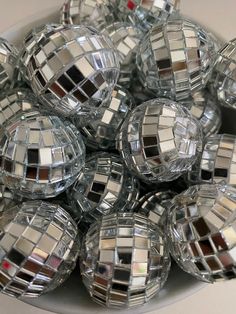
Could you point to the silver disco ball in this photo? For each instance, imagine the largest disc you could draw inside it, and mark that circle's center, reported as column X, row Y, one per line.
column 223, row 76
column 175, row 59
column 95, row 13
column 126, row 39
column 155, row 206
column 16, row 102
column 100, row 132
column 202, row 232
column 104, row 186
column 160, row 140
column 8, row 60
column 206, row 109
column 39, row 247
column 124, row 260
column 71, row 66
column 40, row 155
column 147, row 13
column 217, row 164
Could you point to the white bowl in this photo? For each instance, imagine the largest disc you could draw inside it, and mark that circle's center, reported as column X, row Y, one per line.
column 72, row 297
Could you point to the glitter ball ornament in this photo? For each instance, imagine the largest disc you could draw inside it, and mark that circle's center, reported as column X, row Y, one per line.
column 203, row 232
column 126, row 39
column 217, row 162
column 103, row 186
column 41, row 156
column 100, row 132
column 155, row 206
column 223, row 76
column 7, row 199
column 175, row 59
column 124, row 260
column 205, row 108
column 95, row 13
column 16, row 102
column 8, row 59
column 38, row 248
column 72, row 65
column 147, row 13
column 160, row 140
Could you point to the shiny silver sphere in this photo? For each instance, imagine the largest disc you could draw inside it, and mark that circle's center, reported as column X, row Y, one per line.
column 70, row 67
column 203, row 233
column 124, row 260
column 40, row 155
column 175, row 59
column 104, row 186
column 39, row 247
column 160, row 140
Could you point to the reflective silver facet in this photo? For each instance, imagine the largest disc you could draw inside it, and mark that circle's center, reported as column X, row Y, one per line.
column 40, row 155
column 223, row 80
column 126, row 39
column 206, row 109
column 217, row 163
column 39, row 247
column 175, row 59
column 146, row 13
column 100, row 131
column 155, row 206
column 124, row 260
column 203, row 232
column 160, row 140
column 68, row 66
column 104, row 186
column 8, row 60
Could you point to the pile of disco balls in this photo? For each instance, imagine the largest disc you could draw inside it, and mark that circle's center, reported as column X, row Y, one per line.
column 109, row 152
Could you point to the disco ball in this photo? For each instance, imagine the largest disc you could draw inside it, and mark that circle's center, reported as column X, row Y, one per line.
column 126, row 39
column 16, row 102
column 147, row 13
column 39, row 247
column 217, row 163
column 70, row 66
column 155, row 206
column 202, row 232
column 8, row 60
column 223, row 76
column 124, row 260
column 100, row 132
column 7, row 199
column 40, row 155
column 95, row 13
column 205, row 108
column 160, row 140
column 175, row 59
column 104, row 186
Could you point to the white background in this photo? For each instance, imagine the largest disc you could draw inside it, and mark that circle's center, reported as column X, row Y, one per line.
column 221, row 17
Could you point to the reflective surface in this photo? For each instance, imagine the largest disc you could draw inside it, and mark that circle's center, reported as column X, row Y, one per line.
column 160, row 140
column 38, row 248
column 104, row 186
column 147, row 13
column 124, row 260
column 70, row 65
column 41, row 156
column 218, row 161
column 223, row 78
column 176, row 58
column 206, row 109
column 8, row 58
column 101, row 131
column 203, row 232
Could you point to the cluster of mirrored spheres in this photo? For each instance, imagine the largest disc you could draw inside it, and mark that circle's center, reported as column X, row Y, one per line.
column 112, row 154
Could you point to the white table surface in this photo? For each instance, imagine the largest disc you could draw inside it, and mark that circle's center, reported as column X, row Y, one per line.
column 214, row 299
